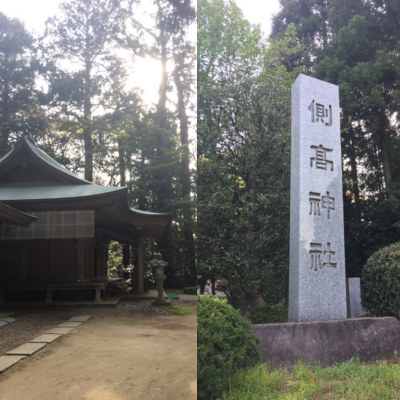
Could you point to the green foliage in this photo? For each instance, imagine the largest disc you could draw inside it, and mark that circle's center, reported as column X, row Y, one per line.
column 243, row 151
column 114, row 262
column 269, row 314
column 349, row 380
column 380, row 285
column 20, row 110
column 225, row 344
column 164, row 165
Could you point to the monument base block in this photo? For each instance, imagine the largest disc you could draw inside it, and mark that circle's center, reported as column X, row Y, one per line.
column 328, row 342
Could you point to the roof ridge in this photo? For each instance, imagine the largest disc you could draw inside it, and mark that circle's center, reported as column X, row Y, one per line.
column 51, row 161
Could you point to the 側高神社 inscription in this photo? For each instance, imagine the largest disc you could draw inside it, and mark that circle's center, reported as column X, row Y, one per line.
column 317, row 284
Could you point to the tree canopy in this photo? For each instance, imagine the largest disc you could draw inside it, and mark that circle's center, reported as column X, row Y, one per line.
column 243, row 155
column 355, row 44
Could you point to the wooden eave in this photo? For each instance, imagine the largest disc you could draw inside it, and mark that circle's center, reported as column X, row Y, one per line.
column 111, row 211
column 12, row 216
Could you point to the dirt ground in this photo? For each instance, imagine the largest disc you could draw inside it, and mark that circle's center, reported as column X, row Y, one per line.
column 112, row 356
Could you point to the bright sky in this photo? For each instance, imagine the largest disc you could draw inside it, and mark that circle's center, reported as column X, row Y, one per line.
column 259, row 12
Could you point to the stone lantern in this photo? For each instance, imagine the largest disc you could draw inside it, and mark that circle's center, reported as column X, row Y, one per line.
column 158, row 264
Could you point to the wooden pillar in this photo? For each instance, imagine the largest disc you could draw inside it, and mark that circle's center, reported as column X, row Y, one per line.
column 141, row 265
column 48, row 298
column 79, row 260
column 98, row 250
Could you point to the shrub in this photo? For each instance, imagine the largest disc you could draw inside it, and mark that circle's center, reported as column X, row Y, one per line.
column 190, row 290
column 225, row 343
column 380, row 284
column 269, row 314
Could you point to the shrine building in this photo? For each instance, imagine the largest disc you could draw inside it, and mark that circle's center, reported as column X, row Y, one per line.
column 55, row 227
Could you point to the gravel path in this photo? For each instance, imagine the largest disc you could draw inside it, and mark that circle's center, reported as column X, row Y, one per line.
column 145, row 307
column 35, row 322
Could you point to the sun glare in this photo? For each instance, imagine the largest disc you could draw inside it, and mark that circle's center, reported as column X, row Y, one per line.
column 146, row 75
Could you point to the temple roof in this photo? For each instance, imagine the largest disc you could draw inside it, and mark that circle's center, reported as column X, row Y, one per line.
column 32, row 180
column 26, row 151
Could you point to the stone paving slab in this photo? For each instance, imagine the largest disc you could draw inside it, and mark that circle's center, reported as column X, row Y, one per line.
column 4, row 314
column 2, row 323
column 79, row 318
column 59, row 331
column 27, row 349
column 8, row 319
column 8, row 361
column 69, row 324
column 45, row 338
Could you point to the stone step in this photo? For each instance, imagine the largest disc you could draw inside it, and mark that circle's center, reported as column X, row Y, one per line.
column 8, row 361
column 27, row 349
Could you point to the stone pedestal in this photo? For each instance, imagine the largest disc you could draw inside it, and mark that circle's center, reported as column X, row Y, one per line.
column 158, row 264
column 328, row 342
column 317, row 282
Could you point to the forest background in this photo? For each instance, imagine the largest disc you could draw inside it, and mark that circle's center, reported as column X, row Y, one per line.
column 244, row 85
column 70, row 87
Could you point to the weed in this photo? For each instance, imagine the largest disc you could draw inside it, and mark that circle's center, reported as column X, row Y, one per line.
column 181, row 310
column 350, row 380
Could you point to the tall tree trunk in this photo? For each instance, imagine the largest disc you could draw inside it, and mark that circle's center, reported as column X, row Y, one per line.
column 386, row 167
column 142, row 198
column 129, row 169
column 249, row 298
column 87, row 132
column 161, row 115
column 122, row 167
column 185, row 180
column 4, row 121
column 354, row 176
column 162, row 91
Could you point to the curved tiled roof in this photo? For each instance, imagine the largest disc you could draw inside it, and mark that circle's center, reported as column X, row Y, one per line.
column 65, row 186
column 50, row 161
column 54, row 192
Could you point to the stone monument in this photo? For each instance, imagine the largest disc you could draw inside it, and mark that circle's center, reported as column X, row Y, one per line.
column 319, row 330
column 317, row 282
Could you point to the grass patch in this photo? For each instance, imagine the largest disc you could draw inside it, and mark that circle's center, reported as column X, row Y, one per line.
column 181, row 310
column 350, row 380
